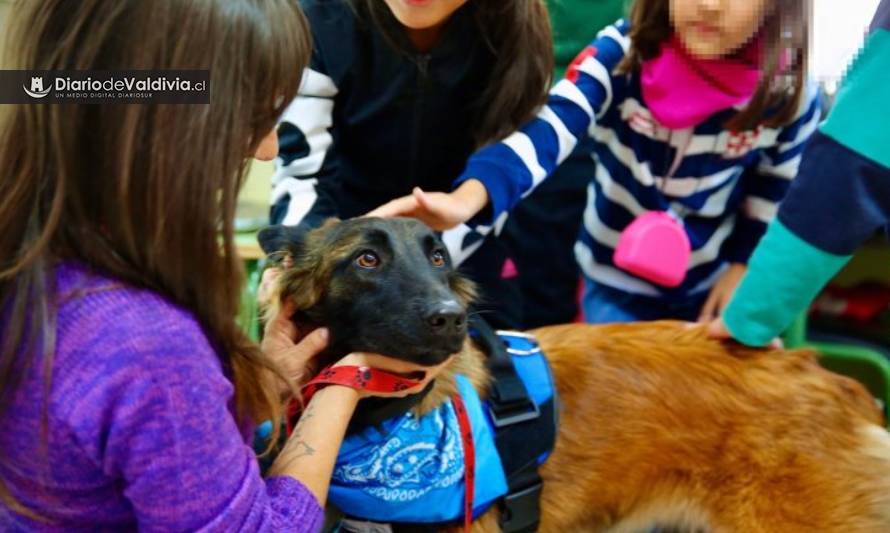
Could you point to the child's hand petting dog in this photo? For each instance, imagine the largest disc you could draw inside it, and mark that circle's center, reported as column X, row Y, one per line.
column 717, row 330
column 438, row 210
column 291, row 350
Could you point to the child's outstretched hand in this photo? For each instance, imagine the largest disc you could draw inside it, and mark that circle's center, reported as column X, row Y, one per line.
column 438, row 210
column 721, row 292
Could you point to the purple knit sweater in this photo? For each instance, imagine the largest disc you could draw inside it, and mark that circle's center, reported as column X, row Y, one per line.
column 141, row 431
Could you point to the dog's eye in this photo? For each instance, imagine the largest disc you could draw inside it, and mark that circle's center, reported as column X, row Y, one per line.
column 437, row 258
column 368, row 260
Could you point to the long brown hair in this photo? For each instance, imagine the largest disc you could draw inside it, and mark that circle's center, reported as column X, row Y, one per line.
column 518, row 33
column 785, row 34
column 142, row 193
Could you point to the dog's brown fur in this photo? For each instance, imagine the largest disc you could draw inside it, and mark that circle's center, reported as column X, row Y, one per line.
column 660, row 424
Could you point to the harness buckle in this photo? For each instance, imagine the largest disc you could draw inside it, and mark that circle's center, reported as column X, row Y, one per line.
column 521, row 511
column 503, row 415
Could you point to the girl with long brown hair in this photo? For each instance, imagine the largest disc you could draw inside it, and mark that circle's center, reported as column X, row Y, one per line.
column 127, row 390
column 398, row 94
column 698, row 111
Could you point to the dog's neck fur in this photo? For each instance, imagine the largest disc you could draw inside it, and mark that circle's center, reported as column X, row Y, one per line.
column 470, row 362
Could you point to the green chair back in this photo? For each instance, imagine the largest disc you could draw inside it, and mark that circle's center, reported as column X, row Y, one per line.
column 250, row 311
column 866, row 365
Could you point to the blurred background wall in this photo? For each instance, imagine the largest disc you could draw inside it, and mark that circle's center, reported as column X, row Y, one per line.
column 839, row 29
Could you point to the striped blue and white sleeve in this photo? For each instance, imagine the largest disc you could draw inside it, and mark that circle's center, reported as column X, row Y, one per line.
column 512, row 168
column 305, row 179
column 766, row 185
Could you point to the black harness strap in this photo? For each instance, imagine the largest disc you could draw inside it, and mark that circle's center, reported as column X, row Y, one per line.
column 524, row 432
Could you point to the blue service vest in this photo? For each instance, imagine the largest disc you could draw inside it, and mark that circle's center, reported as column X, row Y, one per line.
column 411, row 469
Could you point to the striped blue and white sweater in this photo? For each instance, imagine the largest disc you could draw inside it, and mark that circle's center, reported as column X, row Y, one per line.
column 725, row 186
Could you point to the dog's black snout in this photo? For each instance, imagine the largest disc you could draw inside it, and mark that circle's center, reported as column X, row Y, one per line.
column 446, row 317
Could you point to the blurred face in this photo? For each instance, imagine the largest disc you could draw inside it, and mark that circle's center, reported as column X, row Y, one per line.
column 713, row 28
column 268, row 148
column 423, row 14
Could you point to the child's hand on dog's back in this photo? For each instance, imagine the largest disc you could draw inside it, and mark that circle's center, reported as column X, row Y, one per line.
column 717, row 330
column 438, row 210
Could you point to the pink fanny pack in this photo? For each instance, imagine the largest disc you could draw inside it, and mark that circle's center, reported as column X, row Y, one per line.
column 681, row 91
column 654, row 247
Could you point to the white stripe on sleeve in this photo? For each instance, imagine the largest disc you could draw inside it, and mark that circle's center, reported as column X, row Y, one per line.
column 302, row 198
column 613, row 33
column 311, row 112
column 522, row 145
column 567, row 141
column 571, row 92
column 598, row 71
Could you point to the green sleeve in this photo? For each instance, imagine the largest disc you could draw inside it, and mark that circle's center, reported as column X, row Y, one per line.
column 785, row 274
column 861, row 112
column 576, row 23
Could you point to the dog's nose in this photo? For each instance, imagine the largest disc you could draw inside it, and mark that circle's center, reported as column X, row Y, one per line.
column 446, row 317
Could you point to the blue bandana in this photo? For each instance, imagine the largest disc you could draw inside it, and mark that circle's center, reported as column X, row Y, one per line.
column 411, row 469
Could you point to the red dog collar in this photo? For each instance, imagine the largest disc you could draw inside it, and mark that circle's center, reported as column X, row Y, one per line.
column 359, row 378
column 354, row 377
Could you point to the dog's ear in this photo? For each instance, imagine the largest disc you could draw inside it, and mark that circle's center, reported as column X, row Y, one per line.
column 279, row 240
column 304, row 280
column 298, row 282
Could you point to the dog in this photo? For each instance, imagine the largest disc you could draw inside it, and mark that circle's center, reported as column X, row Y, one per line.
column 659, row 425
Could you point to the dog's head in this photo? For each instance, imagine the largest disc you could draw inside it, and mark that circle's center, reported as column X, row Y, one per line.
column 384, row 286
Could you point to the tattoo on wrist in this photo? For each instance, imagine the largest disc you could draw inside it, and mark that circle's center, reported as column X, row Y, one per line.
column 297, row 436
column 301, row 449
